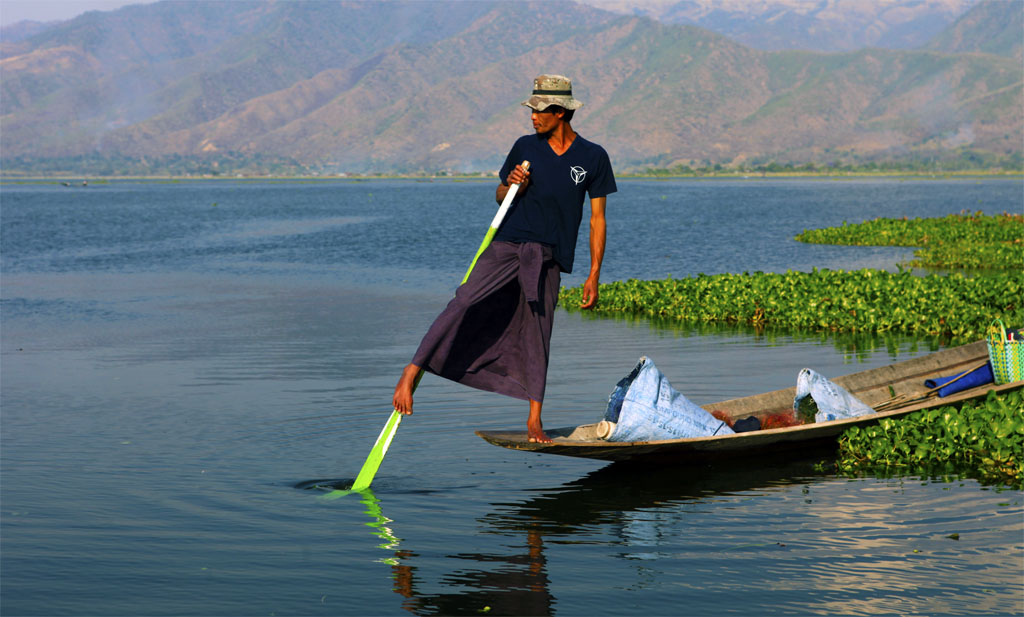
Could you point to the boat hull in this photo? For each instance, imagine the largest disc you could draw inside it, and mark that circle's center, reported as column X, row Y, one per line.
column 874, row 387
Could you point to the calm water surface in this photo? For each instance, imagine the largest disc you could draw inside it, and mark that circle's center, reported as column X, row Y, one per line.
column 182, row 363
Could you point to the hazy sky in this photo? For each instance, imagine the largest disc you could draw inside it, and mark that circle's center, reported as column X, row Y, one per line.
column 12, row 11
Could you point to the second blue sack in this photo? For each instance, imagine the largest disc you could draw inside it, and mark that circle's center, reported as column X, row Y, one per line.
column 961, row 381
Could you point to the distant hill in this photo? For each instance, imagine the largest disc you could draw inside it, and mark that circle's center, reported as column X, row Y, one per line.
column 814, row 25
column 407, row 86
column 23, row 29
column 992, row 27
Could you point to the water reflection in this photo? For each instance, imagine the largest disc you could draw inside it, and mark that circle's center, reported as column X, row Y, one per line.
column 609, row 494
column 706, row 536
column 635, row 503
column 381, row 525
column 852, row 344
column 516, row 585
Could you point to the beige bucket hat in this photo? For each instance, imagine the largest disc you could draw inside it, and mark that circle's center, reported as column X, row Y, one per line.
column 552, row 90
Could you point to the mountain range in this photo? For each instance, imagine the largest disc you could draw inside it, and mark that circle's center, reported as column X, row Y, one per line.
column 816, row 25
column 395, row 86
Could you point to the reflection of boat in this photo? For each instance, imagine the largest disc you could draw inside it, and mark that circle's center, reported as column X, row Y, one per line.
column 607, row 495
column 878, row 388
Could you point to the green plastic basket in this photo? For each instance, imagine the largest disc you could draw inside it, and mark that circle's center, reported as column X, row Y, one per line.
column 1006, row 356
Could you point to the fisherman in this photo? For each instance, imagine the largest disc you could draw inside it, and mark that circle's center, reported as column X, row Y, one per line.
column 495, row 334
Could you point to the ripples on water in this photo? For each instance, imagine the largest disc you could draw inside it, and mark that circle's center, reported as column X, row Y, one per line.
column 181, row 363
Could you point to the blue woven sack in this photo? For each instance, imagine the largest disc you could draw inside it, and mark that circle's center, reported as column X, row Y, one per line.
column 825, row 399
column 645, row 407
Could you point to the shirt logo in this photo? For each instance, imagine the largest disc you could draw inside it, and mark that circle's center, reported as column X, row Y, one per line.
column 578, row 174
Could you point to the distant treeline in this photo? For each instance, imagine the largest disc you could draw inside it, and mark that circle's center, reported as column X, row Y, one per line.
column 229, row 163
column 100, row 165
column 961, row 161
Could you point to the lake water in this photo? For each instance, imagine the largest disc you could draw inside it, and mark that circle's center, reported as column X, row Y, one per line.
column 183, row 362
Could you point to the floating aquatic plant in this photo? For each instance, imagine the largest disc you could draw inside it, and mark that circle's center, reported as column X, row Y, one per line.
column 982, row 439
column 964, row 240
column 955, row 307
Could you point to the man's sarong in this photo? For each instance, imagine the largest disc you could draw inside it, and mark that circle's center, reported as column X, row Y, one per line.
column 495, row 335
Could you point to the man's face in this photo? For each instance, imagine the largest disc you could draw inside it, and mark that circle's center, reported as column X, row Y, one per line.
column 546, row 121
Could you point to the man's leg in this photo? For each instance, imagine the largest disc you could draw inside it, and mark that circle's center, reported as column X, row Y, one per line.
column 540, row 344
column 495, row 268
column 534, row 428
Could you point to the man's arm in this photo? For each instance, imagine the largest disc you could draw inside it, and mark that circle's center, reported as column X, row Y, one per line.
column 516, row 176
column 597, row 240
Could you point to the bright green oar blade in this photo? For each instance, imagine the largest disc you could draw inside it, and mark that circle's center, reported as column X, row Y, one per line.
column 376, row 457
column 480, row 251
column 335, row 494
column 377, row 453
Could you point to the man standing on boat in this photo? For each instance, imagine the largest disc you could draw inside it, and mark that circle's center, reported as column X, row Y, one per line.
column 495, row 334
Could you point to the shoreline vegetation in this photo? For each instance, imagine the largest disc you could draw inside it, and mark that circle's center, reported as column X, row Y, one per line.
column 983, row 440
column 239, row 165
column 57, row 177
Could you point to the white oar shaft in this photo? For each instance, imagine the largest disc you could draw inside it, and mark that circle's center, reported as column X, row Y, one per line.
column 506, row 203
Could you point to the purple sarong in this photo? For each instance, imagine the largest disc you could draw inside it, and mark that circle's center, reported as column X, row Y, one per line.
column 495, row 334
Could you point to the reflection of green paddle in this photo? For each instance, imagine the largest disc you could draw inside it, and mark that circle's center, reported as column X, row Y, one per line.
column 380, row 448
column 380, row 523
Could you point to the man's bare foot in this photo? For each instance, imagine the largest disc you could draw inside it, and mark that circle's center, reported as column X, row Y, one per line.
column 537, row 435
column 403, row 391
column 534, row 428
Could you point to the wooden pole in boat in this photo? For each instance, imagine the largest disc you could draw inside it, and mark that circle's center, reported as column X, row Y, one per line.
column 380, row 447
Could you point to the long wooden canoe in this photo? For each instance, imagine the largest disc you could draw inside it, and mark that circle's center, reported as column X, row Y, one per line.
column 878, row 388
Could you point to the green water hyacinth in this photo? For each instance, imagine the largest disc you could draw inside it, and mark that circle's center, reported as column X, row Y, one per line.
column 964, row 240
column 983, row 439
column 954, row 307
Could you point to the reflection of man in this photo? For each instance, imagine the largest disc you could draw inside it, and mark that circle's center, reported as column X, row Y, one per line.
column 495, row 335
column 514, row 585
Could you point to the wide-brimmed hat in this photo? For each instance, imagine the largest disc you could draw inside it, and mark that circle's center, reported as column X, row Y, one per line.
column 552, row 90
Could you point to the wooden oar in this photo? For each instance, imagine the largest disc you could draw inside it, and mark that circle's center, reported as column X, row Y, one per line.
column 380, row 448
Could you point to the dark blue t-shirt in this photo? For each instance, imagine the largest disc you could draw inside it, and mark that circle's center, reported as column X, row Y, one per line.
column 549, row 211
